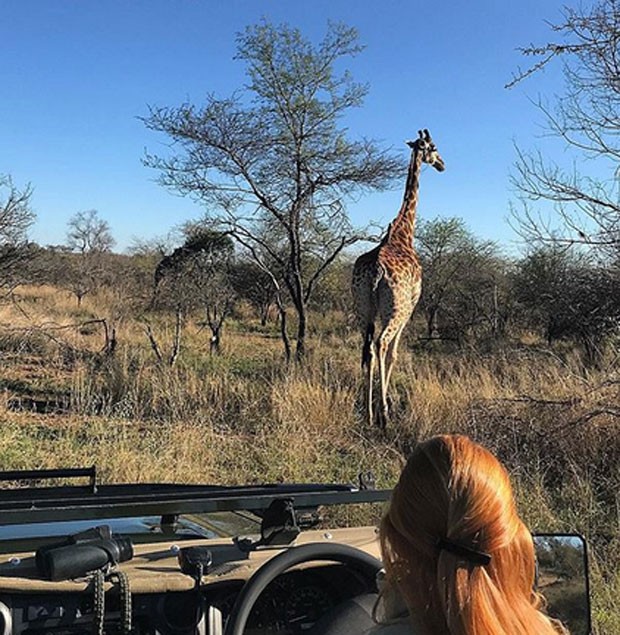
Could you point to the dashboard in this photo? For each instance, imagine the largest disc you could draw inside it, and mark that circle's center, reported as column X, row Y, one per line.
column 165, row 601
column 291, row 604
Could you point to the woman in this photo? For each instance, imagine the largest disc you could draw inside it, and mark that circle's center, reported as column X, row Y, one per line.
column 455, row 549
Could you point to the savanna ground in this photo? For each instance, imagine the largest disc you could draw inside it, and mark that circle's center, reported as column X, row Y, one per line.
column 243, row 416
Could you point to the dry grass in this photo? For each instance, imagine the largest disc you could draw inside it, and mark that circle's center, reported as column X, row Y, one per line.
column 244, row 417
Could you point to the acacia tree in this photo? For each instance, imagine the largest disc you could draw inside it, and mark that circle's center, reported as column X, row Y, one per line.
column 210, row 271
column 461, row 281
column 88, row 233
column 587, row 119
column 252, row 284
column 199, row 273
column 16, row 217
column 567, row 295
column 274, row 162
column 88, row 240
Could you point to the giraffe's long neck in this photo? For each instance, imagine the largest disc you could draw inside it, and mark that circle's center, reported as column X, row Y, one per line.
column 403, row 226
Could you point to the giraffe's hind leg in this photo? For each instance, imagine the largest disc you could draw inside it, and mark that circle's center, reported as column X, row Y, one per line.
column 367, row 349
column 366, row 309
column 368, row 362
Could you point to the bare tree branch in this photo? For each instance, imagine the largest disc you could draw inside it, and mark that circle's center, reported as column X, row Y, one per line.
column 586, row 118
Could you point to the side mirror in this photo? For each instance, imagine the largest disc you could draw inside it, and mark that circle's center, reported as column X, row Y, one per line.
column 562, row 578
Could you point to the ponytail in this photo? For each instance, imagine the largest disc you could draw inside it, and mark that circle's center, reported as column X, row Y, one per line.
column 455, row 547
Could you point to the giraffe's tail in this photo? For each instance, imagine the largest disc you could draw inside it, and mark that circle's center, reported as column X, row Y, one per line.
column 368, row 340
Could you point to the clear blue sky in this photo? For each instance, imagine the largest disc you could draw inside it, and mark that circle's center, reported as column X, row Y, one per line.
column 76, row 74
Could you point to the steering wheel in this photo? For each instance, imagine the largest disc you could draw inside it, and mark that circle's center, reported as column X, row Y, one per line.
column 332, row 552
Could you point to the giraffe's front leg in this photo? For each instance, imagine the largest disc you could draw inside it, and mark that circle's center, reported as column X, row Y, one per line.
column 392, row 354
column 383, row 346
column 370, row 371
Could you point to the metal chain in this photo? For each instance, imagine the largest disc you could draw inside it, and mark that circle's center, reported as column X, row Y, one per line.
column 125, row 600
column 98, row 602
column 99, row 578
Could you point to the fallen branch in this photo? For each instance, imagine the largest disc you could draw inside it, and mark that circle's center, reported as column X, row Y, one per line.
column 46, row 329
column 543, row 402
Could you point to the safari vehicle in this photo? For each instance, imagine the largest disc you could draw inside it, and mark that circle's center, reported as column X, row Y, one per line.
column 181, row 559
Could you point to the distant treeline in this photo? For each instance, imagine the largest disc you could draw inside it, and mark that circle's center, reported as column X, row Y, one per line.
column 472, row 293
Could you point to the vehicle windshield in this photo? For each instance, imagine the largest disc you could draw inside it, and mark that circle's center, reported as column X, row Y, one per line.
column 30, row 536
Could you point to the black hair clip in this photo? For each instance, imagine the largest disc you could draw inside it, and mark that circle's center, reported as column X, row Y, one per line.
column 467, row 553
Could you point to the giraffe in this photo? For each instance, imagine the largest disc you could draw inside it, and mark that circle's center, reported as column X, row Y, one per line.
column 387, row 281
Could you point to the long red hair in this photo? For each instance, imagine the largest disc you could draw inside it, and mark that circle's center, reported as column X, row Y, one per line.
column 455, row 490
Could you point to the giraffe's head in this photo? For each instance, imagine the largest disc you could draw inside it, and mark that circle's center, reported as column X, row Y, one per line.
column 426, row 146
